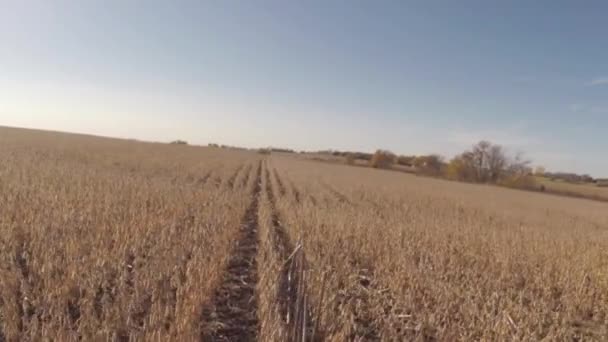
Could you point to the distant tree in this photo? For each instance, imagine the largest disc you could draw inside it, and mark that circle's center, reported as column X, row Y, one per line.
column 489, row 163
column 431, row 164
column 284, row 150
column 496, row 160
column 480, row 158
column 382, row 159
column 406, row 160
column 462, row 168
column 539, row 171
column 179, row 142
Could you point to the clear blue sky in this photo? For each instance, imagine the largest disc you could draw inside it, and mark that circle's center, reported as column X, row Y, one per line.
column 410, row 76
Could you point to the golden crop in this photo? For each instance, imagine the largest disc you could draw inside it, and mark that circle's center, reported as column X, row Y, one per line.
column 106, row 239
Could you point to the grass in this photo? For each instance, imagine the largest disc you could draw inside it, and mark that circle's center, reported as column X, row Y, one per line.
column 106, row 239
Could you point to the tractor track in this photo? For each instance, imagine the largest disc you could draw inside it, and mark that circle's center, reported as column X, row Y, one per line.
column 232, row 313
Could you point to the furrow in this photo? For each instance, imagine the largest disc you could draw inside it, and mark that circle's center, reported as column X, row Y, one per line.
column 232, row 314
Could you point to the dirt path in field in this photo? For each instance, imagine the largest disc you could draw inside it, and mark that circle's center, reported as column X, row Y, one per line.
column 291, row 285
column 232, row 315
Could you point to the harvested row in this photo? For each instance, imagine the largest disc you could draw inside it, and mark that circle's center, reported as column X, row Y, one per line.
column 203, row 180
column 230, row 182
column 292, row 296
column 232, row 314
column 270, row 269
column 243, row 179
column 291, row 187
column 279, row 182
column 340, row 197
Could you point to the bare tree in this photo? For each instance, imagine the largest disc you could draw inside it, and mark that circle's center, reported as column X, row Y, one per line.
column 496, row 162
column 480, row 159
column 487, row 162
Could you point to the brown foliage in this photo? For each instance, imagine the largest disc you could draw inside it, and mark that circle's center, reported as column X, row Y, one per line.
column 382, row 159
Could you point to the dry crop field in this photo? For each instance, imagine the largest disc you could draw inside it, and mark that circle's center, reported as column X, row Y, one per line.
column 106, row 239
column 582, row 190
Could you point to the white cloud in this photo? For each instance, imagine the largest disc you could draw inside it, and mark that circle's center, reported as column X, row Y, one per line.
column 598, row 81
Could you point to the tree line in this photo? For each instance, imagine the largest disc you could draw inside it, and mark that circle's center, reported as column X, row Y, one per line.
column 484, row 162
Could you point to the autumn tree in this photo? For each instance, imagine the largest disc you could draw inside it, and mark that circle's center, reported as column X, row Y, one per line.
column 489, row 163
column 430, row 164
column 382, row 159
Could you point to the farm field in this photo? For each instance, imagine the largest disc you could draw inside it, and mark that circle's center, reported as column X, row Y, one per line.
column 590, row 191
column 108, row 239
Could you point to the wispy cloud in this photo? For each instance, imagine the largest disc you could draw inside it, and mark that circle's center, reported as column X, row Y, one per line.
column 598, row 82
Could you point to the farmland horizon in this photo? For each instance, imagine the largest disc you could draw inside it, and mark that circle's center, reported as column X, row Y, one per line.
column 287, row 147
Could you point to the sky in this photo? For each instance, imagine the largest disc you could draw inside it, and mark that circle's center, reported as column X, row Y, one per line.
column 414, row 77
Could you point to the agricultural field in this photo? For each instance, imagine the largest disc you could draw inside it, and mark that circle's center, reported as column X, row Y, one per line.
column 106, row 239
column 583, row 190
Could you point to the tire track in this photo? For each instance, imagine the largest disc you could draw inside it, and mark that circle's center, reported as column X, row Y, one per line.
column 232, row 313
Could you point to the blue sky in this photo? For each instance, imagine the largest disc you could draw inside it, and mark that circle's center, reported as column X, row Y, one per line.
column 410, row 76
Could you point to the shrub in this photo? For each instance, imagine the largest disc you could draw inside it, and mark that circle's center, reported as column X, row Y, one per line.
column 382, row 159
column 406, row 160
column 526, row 182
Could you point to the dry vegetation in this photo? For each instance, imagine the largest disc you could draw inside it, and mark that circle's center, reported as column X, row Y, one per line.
column 104, row 239
column 584, row 190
